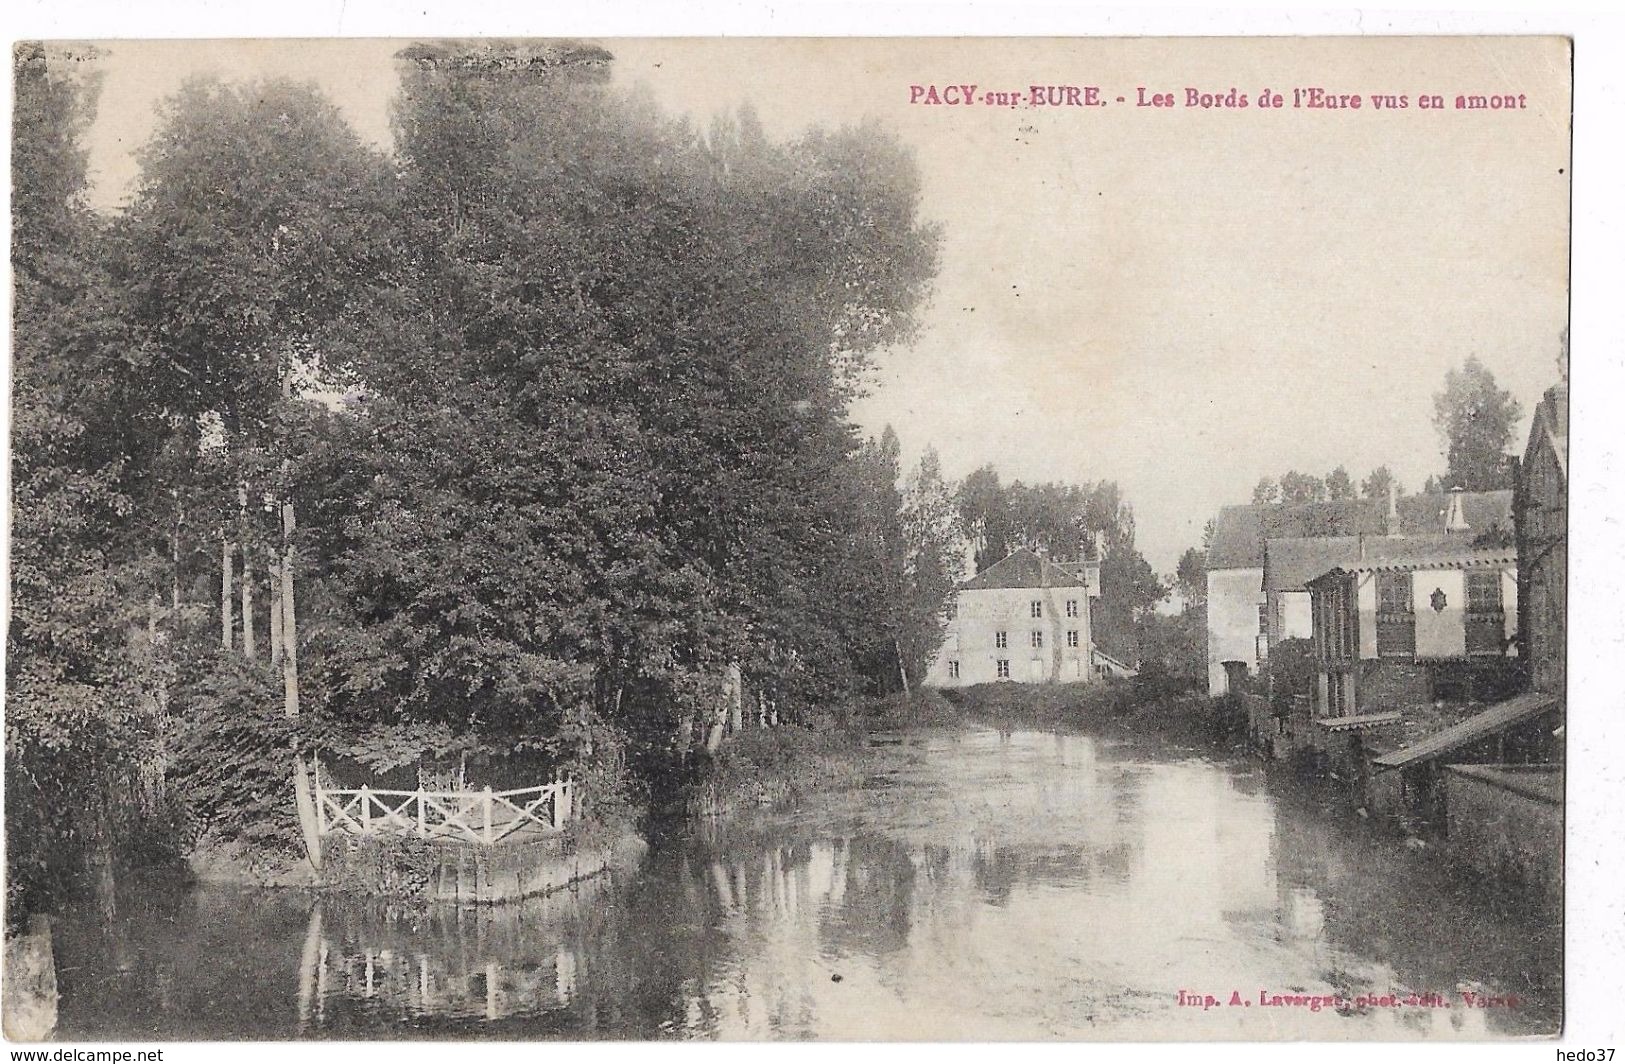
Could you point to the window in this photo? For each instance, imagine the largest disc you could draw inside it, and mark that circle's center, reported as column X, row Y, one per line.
column 1484, row 592
column 1394, row 593
column 1396, row 617
column 1004, row 668
column 1071, row 607
column 1486, row 621
column 1263, row 619
column 953, row 670
column 1000, row 640
column 1038, row 608
column 1072, row 637
column 1038, row 640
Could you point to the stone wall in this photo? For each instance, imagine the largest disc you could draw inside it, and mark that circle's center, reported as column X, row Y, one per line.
column 1505, row 822
column 1386, row 684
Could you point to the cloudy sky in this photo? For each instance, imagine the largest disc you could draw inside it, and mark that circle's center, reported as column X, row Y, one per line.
column 1183, row 300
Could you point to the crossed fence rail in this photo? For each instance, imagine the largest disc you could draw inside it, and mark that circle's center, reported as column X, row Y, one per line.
column 484, row 817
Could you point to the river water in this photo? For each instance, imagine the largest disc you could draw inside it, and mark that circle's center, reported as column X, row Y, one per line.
column 978, row 885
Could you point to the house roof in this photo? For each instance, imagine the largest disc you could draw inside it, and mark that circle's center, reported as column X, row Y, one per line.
column 1240, row 533
column 1499, row 717
column 1473, row 557
column 1079, row 570
column 1360, row 722
column 1551, row 426
column 1470, row 558
column 1113, row 633
column 1113, row 660
column 1290, row 564
column 1025, row 568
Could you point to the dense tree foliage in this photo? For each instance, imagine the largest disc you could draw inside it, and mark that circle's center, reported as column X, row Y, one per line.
column 1068, row 521
column 515, row 446
column 81, row 660
column 1475, row 418
column 1380, row 484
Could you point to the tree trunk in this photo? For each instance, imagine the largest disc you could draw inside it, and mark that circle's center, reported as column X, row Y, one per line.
column 290, row 629
column 175, row 578
column 102, row 859
column 734, row 692
column 249, row 642
column 225, row 593
column 902, row 671
column 685, row 734
column 304, row 800
column 273, row 581
column 719, row 727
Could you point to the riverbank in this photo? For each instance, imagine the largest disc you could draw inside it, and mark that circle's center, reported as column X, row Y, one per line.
column 1121, row 709
column 764, row 767
column 760, row 768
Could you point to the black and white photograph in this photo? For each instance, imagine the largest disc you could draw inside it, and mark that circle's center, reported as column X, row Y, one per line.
column 777, row 538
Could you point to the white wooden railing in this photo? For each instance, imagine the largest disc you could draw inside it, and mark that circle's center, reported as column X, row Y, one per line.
column 484, row 817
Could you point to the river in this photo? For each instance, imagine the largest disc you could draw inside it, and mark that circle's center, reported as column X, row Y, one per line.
column 978, row 885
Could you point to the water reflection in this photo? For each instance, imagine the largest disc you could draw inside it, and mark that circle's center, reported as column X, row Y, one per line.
column 979, row 885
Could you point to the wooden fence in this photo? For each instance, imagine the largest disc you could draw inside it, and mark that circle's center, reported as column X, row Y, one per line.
column 485, row 817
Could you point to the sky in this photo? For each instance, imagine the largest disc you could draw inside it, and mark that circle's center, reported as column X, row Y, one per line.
column 1180, row 299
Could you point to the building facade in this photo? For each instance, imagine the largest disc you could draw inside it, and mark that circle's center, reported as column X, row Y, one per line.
column 1026, row 619
column 1257, row 571
column 1411, row 630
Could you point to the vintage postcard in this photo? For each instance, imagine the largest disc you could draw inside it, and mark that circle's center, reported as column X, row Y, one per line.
column 756, row 539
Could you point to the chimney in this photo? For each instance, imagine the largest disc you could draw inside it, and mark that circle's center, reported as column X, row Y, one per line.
column 1455, row 520
column 1391, row 521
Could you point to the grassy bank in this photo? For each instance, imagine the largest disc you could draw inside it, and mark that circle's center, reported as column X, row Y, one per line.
column 763, row 767
column 769, row 766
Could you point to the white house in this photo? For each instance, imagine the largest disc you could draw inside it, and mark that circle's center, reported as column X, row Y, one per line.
column 1023, row 620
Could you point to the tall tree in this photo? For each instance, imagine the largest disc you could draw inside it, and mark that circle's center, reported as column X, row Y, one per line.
column 657, row 332
column 83, row 644
column 1190, row 577
column 933, row 560
column 258, row 239
column 1297, row 488
column 1380, row 483
column 1339, row 485
column 984, row 516
column 1474, row 418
